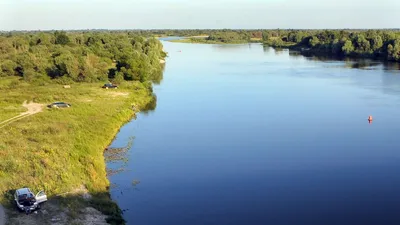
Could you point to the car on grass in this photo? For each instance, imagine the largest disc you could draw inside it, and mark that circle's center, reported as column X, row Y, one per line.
column 59, row 105
column 27, row 201
column 109, row 85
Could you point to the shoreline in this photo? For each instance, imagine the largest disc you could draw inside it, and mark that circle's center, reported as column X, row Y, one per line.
column 309, row 52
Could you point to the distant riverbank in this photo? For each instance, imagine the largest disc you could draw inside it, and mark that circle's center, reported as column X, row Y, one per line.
column 326, row 52
column 204, row 41
column 382, row 44
column 370, row 44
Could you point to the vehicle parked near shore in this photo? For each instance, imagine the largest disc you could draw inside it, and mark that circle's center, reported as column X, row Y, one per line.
column 109, row 85
column 27, row 201
column 59, row 105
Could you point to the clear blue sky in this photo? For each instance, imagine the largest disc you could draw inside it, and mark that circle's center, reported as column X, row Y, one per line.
column 152, row 14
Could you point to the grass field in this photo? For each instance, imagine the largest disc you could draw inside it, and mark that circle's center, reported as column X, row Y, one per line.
column 58, row 150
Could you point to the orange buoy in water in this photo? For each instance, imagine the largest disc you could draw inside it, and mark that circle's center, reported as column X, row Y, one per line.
column 369, row 118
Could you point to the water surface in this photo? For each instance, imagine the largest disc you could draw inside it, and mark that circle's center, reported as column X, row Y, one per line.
column 247, row 135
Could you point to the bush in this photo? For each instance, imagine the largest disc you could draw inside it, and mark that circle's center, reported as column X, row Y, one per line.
column 119, row 78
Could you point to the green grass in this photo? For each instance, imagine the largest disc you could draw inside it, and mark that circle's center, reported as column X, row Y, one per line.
column 58, row 150
column 9, row 106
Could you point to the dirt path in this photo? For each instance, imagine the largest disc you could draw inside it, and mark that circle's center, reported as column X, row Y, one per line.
column 32, row 107
column 2, row 216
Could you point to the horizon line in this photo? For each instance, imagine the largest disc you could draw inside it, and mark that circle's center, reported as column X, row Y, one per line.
column 171, row 29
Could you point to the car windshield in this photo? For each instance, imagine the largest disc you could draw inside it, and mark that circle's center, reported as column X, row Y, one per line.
column 25, row 196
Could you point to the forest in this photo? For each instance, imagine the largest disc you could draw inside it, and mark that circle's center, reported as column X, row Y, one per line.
column 377, row 44
column 80, row 56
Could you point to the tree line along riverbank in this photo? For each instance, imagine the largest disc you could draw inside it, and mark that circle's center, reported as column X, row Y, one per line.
column 375, row 44
column 60, row 150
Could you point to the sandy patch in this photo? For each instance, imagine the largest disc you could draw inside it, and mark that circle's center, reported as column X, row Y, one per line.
column 200, row 36
column 118, row 94
column 32, row 108
column 87, row 100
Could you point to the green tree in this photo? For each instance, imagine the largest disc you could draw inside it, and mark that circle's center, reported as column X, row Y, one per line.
column 20, row 44
column 265, row 36
column 67, row 65
column 314, row 41
column 376, row 42
column 362, row 44
column 8, row 67
column 119, row 78
column 31, row 75
column 61, row 38
column 394, row 50
column 299, row 37
column 277, row 42
column 348, row 47
column 6, row 47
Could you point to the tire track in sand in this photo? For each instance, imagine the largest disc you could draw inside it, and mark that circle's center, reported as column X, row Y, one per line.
column 32, row 107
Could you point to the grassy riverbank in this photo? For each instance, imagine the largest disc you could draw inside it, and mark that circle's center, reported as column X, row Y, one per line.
column 222, row 37
column 59, row 150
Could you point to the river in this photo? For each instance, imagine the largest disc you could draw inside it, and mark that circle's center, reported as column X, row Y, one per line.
column 244, row 134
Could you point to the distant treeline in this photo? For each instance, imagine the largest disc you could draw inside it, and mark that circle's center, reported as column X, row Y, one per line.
column 80, row 56
column 226, row 37
column 143, row 50
column 383, row 44
column 380, row 43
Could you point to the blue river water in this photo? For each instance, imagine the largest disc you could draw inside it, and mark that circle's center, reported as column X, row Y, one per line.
column 244, row 134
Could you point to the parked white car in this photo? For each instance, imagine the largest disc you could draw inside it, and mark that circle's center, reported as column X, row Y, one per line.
column 27, row 201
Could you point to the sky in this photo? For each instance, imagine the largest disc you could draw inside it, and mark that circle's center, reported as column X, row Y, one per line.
column 198, row 14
